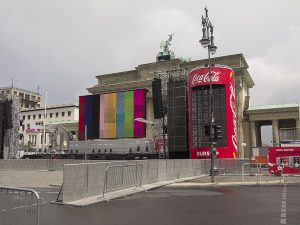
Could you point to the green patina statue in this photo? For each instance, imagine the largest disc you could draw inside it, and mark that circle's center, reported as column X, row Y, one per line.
column 165, row 53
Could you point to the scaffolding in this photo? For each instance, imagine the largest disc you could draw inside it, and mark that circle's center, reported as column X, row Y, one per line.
column 165, row 77
column 12, row 134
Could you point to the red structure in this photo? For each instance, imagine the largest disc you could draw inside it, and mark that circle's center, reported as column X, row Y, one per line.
column 284, row 159
column 222, row 80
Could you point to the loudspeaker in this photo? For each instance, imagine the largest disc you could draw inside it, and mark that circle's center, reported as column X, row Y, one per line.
column 7, row 113
column 177, row 119
column 157, row 98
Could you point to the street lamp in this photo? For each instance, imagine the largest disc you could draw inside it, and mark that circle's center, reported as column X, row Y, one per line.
column 207, row 41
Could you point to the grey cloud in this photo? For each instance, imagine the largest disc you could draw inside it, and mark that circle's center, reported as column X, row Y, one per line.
column 61, row 45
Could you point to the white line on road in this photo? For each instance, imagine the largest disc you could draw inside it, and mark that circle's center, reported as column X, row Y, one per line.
column 283, row 216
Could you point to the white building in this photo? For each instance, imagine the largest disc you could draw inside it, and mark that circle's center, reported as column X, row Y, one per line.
column 28, row 99
column 57, row 116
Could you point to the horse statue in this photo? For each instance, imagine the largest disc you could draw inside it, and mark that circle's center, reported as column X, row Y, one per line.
column 165, row 53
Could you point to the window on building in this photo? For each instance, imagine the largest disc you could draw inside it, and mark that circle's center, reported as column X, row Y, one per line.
column 23, row 128
column 28, row 125
column 33, row 116
column 23, row 117
column 28, row 117
column 56, row 114
column 40, row 116
column 69, row 113
column 62, row 114
column 51, row 115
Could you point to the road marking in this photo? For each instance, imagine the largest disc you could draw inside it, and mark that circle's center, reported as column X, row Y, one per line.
column 283, row 216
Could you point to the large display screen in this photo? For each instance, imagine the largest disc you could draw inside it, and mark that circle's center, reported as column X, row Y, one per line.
column 112, row 115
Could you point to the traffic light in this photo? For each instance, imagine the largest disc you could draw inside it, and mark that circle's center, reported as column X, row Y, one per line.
column 217, row 132
column 207, row 130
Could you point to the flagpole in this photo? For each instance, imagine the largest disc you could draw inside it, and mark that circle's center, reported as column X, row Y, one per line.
column 44, row 132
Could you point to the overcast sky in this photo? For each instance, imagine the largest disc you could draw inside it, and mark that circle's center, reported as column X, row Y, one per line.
column 61, row 45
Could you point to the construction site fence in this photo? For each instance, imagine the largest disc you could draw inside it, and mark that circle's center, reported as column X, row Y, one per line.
column 258, row 173
column 86, row 180
column 19, row 206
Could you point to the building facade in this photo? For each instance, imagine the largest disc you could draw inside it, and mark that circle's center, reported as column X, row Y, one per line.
column 28, row 99
column 59, row 120
column 284, row 119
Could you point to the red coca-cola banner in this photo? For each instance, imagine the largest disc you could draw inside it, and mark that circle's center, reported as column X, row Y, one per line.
column 220, row 75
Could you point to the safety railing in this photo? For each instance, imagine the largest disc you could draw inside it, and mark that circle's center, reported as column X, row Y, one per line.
column 257, row 170
column 230, row 166
column 286, row 176
column 19, row 206
column 119, row 177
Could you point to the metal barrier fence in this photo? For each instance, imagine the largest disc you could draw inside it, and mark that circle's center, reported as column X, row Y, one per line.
column 19, row 206
column 258, row 170
column 230, row 166
column 119, row 177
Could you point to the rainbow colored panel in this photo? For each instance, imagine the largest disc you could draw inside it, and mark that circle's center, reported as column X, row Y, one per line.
column 120, row 114
column 139, row 112
column 81, row 134
column 112, row 115
column 103, row 116
column 128, row 114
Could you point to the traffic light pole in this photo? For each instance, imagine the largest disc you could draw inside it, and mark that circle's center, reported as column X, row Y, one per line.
column 211, row 133
column 207, row 41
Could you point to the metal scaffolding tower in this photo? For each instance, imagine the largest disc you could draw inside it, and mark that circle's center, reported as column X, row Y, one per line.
column 165, row 77
column 13, row 133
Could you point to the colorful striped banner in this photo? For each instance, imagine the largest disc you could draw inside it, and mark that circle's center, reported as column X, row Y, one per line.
column 112, row 115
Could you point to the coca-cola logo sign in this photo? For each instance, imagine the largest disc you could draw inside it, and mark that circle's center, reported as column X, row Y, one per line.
column 233, row 110
column 211, row 76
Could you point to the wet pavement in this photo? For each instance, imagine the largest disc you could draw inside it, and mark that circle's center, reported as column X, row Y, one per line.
column 226, row 202
column 214, row 205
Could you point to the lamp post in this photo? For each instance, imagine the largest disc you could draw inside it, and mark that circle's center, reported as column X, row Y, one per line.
column 207, row 41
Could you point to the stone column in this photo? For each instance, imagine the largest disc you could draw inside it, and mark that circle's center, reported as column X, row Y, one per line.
column 297, row 131
column 275, row 132
column 253, row 142
column 298, row 123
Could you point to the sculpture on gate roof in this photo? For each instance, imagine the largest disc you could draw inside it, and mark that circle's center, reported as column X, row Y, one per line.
column 165, row 53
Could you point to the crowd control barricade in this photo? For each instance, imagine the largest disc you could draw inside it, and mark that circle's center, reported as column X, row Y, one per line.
column 259, row 172
column 119, row 177
column 230, row 166
column 19, row 206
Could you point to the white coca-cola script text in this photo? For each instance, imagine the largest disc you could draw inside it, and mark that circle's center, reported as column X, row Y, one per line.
column 211, row 76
